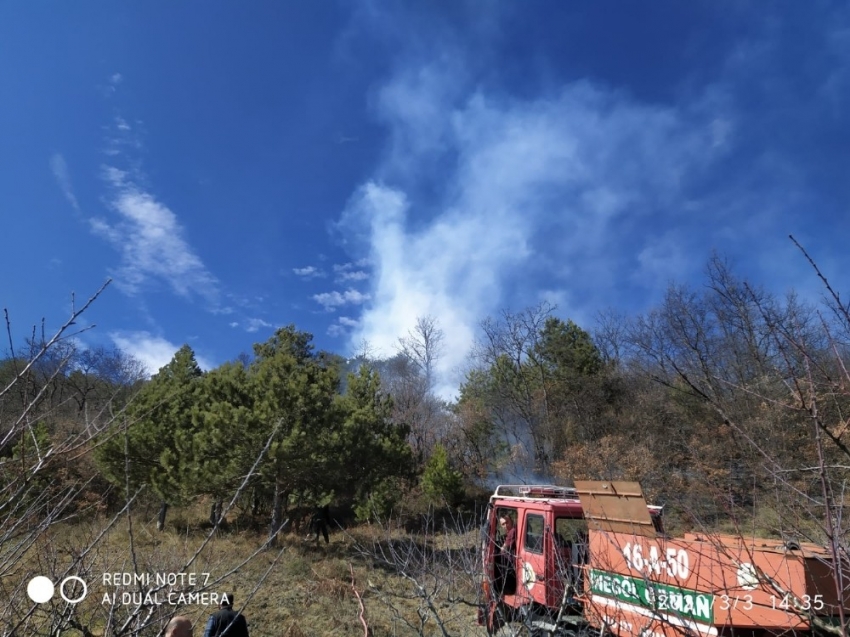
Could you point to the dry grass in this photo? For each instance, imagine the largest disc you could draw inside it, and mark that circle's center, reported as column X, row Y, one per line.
column 305, row 589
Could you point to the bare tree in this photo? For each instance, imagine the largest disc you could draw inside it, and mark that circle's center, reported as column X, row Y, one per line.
column 774, row 374
column 56, row 407
column 410, row 379
column 422, row 347
column 518, row 407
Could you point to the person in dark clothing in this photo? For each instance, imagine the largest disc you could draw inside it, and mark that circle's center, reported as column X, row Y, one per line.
column 226, row 622
column 506, row 557
column 508, row 548
column 319, row 523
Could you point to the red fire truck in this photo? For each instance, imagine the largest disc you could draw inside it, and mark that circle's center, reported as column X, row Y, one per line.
column 566, row 561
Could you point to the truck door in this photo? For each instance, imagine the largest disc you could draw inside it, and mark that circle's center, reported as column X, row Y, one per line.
column 569, row 543
column 531, row 563
column 500, row 558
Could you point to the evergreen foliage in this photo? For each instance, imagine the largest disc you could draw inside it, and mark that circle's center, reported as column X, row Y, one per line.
column 153, row 444
column 373, row 450
column 442, row 484
column 189, row 434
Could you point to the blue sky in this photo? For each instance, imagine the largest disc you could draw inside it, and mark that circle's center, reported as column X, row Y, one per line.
column 350, row 166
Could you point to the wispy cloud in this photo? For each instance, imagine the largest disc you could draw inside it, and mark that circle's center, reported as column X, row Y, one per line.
column 350, row 271
column 146, row 232
column 332, row 300
column 255, row 324
column 355, row 275
column 154, row 352
column 111, row 86
column 60, row 171
column 343, row 326
column 151, row 242
column 251, row 325
column 309, row 272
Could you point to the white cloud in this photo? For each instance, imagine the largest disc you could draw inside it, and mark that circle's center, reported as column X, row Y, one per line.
column 664, row 258
column 310, row 272
column 111, row 85
column 354, row 275
column 352, row 271
column 60, row 171
column 154, row 352
column 342, row 326
column 101, row 227
column 151, row 242
column 548, row 188
column 254, row 325
column 331, row 300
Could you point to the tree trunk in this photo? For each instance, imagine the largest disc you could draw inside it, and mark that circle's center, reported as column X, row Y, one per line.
column 255, row 502
column 160, row 521
column 277, row 514
column 215, row 512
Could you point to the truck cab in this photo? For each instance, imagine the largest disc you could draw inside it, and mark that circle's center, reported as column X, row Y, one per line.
column 537, row 576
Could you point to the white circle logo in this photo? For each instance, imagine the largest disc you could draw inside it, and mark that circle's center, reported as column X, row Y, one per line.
column 748, row 579
column 73, row 578
column 40, row 589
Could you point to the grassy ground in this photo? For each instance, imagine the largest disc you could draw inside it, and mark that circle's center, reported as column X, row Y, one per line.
column 296, row 589
column 400, row 584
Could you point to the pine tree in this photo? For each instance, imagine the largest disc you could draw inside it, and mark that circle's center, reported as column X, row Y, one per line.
column 441, row 483
column 153, row 446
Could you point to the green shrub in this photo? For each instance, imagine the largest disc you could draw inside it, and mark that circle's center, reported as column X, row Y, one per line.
column 381, row 501
column 442, row 484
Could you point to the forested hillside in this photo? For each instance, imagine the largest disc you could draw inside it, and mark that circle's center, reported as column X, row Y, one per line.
column 726, row 402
